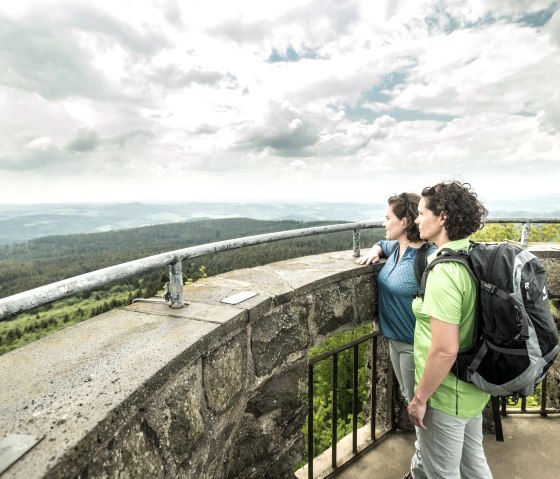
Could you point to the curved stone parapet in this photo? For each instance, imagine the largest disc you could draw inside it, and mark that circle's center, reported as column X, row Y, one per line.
column 208, row 391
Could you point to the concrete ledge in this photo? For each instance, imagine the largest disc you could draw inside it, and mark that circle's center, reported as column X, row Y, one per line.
column 70, row 386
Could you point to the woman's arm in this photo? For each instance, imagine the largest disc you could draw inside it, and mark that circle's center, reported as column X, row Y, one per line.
column 441, row 356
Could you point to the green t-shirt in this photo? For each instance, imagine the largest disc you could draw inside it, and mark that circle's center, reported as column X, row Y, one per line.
column 450, row 296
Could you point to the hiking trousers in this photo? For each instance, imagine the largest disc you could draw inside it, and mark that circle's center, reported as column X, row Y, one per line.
column 402, row 359
column 451, row 448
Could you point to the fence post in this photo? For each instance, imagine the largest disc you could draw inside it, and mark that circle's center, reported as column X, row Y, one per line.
column 356, row 243
column 177, row 299
column 525, row 228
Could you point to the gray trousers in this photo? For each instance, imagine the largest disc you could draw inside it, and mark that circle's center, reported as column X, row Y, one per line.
column 451, row 448
column 402, row 359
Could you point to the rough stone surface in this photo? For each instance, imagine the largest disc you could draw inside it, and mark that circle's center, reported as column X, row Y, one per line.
column 132, row 453
column 365, row 298
column 552, row 266
column 225, row 372
column 333, row 308
column 279, row 334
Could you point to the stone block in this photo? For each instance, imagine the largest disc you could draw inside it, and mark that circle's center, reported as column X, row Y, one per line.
column 365, row 298
column 552, row 266
column 225, row 373
column 333, row 308
column 134, row 452
column 277, row 335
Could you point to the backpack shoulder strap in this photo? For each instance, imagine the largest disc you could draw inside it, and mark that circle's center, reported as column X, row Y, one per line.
column 443, row 256
column 421, row 261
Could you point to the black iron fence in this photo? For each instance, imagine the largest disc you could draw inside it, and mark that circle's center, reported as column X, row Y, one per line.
column 336, row 465
column 507, row 406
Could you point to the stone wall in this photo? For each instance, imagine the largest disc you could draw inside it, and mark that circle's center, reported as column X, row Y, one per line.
column 208, row 391
column 550, row 257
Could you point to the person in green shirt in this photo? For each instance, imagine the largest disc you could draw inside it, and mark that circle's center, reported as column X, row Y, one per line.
column 447, row 411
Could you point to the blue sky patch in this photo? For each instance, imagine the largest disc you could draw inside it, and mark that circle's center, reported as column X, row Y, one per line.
column 290, row 55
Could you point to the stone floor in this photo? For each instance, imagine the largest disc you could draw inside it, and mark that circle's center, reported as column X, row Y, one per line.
column 531, row 450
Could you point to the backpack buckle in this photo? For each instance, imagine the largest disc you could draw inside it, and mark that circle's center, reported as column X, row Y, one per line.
column 489, row 287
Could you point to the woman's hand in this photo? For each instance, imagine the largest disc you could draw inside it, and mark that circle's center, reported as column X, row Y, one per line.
column 369, row 259
column 416, row 411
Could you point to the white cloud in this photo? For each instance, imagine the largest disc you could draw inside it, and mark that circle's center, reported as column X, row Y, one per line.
column 42, row 143
column 257, row 100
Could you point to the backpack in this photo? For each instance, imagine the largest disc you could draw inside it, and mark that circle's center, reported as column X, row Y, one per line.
column 420, row 260
column 515, row 339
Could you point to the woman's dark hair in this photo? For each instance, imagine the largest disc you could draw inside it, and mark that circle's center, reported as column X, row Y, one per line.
column 463, row 213
column 406, row 205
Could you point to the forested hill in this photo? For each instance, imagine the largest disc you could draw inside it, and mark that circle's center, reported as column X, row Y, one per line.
column 45, row 260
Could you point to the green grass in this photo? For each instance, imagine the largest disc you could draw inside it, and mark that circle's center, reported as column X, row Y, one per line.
column 28, row 327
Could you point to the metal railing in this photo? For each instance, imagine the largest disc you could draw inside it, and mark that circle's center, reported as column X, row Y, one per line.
column 507, row 408
column 334, row 354
column 34, row 298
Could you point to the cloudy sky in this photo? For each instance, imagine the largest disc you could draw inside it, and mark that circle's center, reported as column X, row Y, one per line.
column 292, row 100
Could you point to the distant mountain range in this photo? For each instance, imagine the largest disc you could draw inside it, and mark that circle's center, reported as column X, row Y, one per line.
column 20, row 223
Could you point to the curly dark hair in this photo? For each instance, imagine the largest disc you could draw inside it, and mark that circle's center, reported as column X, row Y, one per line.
column 406, row 204
column 464, row 214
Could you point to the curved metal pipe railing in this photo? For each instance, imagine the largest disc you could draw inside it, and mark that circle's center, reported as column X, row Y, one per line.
column 34, row 298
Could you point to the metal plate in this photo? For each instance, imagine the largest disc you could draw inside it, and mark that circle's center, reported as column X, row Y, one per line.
column 13, row 447
column 237, row 298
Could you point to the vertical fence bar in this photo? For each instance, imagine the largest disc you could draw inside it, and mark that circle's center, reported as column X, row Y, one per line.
column 334, row 418
column 355, row 402
column 310, row 421
column 373, row 387
column 503, row 401
column 356, row 243
column 524, row 404
column 525, row 229
column 177, row 298
column 543, row 396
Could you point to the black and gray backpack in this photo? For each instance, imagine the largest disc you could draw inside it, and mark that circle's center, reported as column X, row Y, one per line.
column 515, row 338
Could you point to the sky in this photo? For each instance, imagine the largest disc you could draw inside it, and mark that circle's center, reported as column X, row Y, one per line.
column 290, row 101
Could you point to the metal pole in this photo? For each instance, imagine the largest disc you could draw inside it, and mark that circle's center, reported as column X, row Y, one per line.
column 334, row 417
column 310, row 421
column 176, row 297
column 525, row 228
column 356, row 243
column 373, row 380
column 543, row 396
column 355, row 402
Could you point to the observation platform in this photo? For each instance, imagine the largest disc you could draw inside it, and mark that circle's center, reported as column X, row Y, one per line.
column 531, row 449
